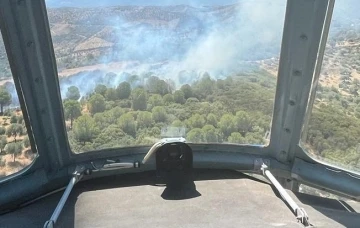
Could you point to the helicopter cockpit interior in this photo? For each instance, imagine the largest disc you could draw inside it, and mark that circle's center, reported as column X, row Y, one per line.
column 179, row 113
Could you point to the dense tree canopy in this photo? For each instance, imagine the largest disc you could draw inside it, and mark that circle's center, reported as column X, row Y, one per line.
column 96, row 104
column 159, row 114
column 168, row 99
column 72, row 110
column 227, row 125
column 187, row 90
column 158, row 86
column 236, row 109
column 179, row 97
column 127, row 124
column 144, row 119
column 123, row 90
column 111, row 94
column 85, row 129
column 139, row 99
column 156, row 100
column 73, row 93
column 101, row 89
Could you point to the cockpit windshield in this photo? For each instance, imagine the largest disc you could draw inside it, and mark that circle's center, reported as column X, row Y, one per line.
column 133, row 72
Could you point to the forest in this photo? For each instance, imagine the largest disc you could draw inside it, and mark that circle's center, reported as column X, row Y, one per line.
column 236, row 109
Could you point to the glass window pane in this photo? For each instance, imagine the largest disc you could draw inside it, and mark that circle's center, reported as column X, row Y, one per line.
column 133, row 73
column 333, row 130
column 15, row 150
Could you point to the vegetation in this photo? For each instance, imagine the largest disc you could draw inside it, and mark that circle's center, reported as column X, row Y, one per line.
column 237, row 109
column 73, row 93
column 137, row 113
column 14, row 148
column 72, row 110
column 5, row 98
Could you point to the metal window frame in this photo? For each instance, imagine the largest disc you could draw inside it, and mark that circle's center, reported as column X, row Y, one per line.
column 25, row 28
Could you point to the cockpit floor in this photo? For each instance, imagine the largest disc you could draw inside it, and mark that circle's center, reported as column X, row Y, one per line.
column 221, row 199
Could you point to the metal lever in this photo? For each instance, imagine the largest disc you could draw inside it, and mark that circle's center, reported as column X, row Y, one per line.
column 299, row 212
column 77, row 175
column 112, row 165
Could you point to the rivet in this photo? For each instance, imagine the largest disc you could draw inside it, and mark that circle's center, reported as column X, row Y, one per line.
column 292, row 102
column 303, row 37
column 29, row 44
column 297, row 73
column 287, row 130
column 37, row 80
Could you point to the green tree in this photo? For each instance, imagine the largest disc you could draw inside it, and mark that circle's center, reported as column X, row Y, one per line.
column 196, row 121
column 84, row 129
column 123, row 90
column 156, row 85
column 155, row 100
column 3, row 142
column 177, row 123
column 187, row 90
column 2, row 131
column 14, row 148
column 144, row 119
column 5, row 98
column 195, row 136
column 159, row 114
column 73, row 93
column 14, row 130
column 192, row 100
column 101, row 89
column 236, row 137
column 26, row 142
column 96, row 104
column 72, row 110
column 168, row 99
column 210, row 134
column 110, row 137
column 111, row 94
column 179, row 97
column 243, row 122
column 211, row 119
column 254, row 138
column 139, row 98
column 127, row 124
column 205, row 86
column 13, row 119
column 227, row 125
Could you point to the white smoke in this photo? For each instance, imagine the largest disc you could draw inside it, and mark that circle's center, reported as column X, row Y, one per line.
column 209, row 39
